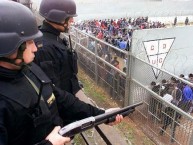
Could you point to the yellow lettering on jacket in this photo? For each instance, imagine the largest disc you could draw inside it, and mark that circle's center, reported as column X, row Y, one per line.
column 51, row 99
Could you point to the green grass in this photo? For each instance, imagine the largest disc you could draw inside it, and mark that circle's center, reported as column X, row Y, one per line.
column 95, row 92
column 91, row 89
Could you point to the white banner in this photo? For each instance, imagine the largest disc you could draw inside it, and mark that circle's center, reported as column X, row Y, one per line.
column 157, row 51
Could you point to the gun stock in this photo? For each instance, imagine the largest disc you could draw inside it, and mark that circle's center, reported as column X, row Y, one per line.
column 88, row 123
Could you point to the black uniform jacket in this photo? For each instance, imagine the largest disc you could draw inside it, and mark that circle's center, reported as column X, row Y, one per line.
column 24, row 121
column 57, row 60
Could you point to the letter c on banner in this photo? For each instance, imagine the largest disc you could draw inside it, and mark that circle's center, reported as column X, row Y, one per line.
column 160, row 60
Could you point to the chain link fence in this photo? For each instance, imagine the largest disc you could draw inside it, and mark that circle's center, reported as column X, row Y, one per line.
column 134, row 81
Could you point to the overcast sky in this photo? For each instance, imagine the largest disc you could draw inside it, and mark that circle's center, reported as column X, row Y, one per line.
column 89, row 9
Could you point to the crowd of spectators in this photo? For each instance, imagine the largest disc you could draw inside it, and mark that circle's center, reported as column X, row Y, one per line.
column 176, row 92
column 117, row 32
column 181, row 94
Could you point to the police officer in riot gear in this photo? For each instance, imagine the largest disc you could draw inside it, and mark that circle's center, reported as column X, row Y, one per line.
column 57, row 58
column 31, row 108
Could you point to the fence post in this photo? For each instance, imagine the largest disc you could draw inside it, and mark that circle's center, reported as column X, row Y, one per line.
column 96, row 63
column 127, row 98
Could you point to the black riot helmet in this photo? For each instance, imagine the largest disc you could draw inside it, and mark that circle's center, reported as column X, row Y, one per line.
column 17, row 25
column 57, row 10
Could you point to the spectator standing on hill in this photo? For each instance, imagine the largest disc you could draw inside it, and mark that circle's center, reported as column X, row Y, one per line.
column 190, row 77
column 175, row 21
column 187, row 98
column 153, row 101
column 169, row 116
column 114, row 60
column 176, row 94
column 186, row 21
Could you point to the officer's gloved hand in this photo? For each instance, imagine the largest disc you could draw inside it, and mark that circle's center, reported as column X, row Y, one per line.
column 118, row 118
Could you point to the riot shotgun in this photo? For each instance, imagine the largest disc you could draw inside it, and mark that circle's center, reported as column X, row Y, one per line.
column 88, row 123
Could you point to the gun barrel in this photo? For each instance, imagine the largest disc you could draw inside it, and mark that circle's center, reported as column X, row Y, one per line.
column 87, row 123
column 110, row 116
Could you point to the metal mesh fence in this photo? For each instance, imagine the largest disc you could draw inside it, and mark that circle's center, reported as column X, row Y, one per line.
column 104, row 74
column 162, row 121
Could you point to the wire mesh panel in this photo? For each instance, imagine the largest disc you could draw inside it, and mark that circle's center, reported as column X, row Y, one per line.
column 162, row 122
column 95, row 57
column 164, row 114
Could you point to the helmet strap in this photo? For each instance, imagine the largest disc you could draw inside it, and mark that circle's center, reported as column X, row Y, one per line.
column 66, row 22
column 21, row 49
